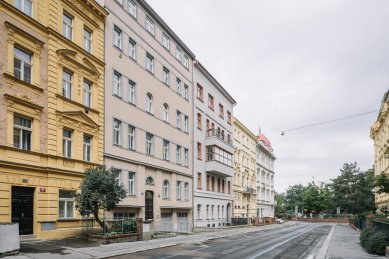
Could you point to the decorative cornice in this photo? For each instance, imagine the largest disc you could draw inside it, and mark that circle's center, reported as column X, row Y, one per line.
column 69, row 55
column 10, row 26
column 72, row 114
column 77, row 103
column 13, row 78
column 23, row 99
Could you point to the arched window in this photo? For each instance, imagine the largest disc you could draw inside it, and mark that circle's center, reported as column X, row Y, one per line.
column 166, row 112
column 165, row 189
column 212, row 209
column 207, row 124
column 207, row 211
column 149, row 180
column 228, row 138
column 149, row 103
column 212, row 125
column 222, row 134
column 198, row 211
column 198, row 120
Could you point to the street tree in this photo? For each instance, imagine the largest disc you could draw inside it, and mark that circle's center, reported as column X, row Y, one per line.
column 279, row 203
column 99, row 191
column 294, row 196
column 382, row 183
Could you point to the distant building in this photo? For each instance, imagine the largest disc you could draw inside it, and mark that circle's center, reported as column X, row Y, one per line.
column 213, row 151
column 265, row 177
column 245, row 191
column 380, row 135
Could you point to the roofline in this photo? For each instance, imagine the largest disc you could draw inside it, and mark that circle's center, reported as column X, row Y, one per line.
column 214, row 81
column 271, row 153
column 158, row 18
column 245, row 128
column 382, row 103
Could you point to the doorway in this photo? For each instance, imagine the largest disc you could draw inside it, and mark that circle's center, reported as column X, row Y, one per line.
column 149, row 204
column 23, row 209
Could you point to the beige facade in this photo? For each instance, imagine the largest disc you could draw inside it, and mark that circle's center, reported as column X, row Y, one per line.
column 245, row 189
column 380, row 135
column 45, row 130
column 148, row 116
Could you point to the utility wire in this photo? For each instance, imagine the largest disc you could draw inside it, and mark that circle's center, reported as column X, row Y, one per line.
column 330, row 121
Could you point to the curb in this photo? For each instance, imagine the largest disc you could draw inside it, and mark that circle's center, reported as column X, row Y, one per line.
column 323, row 250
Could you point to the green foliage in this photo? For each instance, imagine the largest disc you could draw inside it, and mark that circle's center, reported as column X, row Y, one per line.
column 382, row 183
column 99, row 191
column 376, row 242
column 294, row 196
column 365, row 234
column 279, row 203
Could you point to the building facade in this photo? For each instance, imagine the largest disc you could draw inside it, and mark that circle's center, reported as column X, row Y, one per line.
column 245, row 142
column 213, row 157
column 380, row 134
column 265, row 177
column 148, row 116
column 51, row 98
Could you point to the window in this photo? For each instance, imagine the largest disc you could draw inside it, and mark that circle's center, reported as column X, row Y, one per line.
column 25, row 6
column 165, row 112
column 123, row 215
column 67, row 143
column 120, row 2
column 166, row 41
column 210, row 102
column 165, row 150
column 22, row 133
column 199, row 183
column 221, row 111
column 186, row 92
column 150, row 25
column 207, row 126
column 178, row 121
column 165, row 76
column 213, row 183
column 117, row 84
column 149, row 63
column 22, row 65
column 178, row 54
column 87, row 147
column 67, row 84
column 66, row 204
column 131, row 92
column 212, row 208
column 199, row 92
column 207, row 211
column 131, row 183
column 229, row 117
column 87, row 40
column 178, row 86
column 67, row 29
column 149, row 180
column 199, row 120
column 132, row 49
column 229, row 186
column 178, row 190
column 222, row 185
column 149, row 143
column 208, row 183
column 87, row 94
column 149, row 103
column 117, row 129
column 117, row 37
column 118, row 175
column 218, row 211
column 165, row 189
column 186, row 61
column 199, row 153
column 215, row 153
column 186, row 123
column 132, row 8
column 218, row 184
column 178, row 155
column 131, row 137
column 186, row 157
column 199, row 211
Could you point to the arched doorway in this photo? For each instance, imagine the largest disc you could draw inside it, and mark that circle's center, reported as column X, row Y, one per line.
column 149, row 205
column 228, row 212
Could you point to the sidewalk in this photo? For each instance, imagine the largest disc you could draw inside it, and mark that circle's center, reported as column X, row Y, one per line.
column 80, row 249
column 343, row 243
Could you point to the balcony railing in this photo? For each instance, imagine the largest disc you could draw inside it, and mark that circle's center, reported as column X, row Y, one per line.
column 220, row 135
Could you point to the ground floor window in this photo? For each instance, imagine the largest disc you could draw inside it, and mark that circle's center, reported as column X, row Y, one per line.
column 123, row 215
column 66, row 204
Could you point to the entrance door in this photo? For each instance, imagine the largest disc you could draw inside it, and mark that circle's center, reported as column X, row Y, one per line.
column 228, row 212
column 149, row 203
column 182, row 222
column 23, row 208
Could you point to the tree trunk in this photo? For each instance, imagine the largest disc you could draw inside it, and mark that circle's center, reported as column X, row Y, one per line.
column 101, row 223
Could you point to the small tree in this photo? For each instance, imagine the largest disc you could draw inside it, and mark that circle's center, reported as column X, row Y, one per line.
column 382, row 183
column 99, row 191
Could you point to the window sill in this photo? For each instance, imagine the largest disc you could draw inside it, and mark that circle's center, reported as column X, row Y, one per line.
column 17, row 80
column 118, row 48
column 86, row 108
column 67, row 220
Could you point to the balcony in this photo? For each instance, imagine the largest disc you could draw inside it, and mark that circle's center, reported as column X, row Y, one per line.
column 218, row 168
column 218, row 139
column 248, row 190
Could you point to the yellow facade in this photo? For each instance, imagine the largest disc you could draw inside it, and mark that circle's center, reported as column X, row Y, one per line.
column 245, row 175
column 380, row 135
column 35, row 111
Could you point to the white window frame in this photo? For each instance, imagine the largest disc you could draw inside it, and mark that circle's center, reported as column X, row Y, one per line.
column 178, row 86
column 165, row 116
column 165, row 76
column 178, row 120
column 131, row 137
column 118, row 175
column 21, row 5
column 87, row 147
column 117, row 84
column 165, row 41
column 67, row 84
column 179, row 54
column 87, row 94
column 165, row 149
column 24, row 131
column 186, row 157
column 132, row 8
column 149, row 144
column 186, row 61
column 87, row 40
column 117, row 132
column 131, row 183
column 186, row 191
column 24, row 63
column 150, row 63
column 186, row 92
column 131, row 92
column 178, row 155
column 117, row 37
column 67, row 143
column 67, row 28
column 132, row 49
column 178, row 190
column 186, row 123
column 150, row 26
column 65, row 200
column 149, row 103
column 165, row 189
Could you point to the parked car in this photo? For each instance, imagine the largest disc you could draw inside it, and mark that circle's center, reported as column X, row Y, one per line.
column 280, row 221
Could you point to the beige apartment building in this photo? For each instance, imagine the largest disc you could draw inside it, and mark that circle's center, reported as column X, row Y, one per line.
column 380, row 135
column 245, row 189
column 148, row 116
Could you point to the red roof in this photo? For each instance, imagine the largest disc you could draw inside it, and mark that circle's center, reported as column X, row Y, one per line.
column 265, row 141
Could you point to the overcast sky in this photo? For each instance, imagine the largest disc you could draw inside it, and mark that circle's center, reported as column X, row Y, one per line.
column 291, row 63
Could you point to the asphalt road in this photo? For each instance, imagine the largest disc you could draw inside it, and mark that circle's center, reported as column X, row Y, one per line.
column 301, row 241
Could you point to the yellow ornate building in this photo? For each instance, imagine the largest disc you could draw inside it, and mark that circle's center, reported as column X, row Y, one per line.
column 380, row 135
column 51, row 110
column 245, row 188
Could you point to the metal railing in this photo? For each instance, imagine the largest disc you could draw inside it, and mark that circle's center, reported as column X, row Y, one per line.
column 211, row 223
column 381, row 226
column 219, row 135
column 177, row 227
column 113, row 226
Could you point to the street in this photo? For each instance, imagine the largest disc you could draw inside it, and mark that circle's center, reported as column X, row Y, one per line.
column 301, row 241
